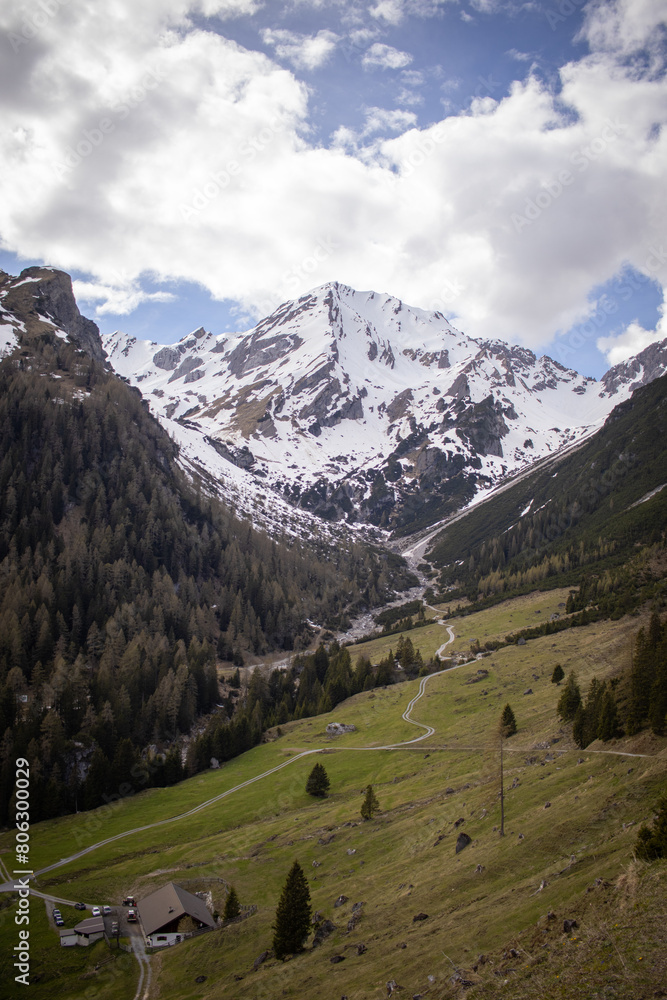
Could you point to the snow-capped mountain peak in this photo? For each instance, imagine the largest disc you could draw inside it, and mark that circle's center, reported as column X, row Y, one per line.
column 354, row 405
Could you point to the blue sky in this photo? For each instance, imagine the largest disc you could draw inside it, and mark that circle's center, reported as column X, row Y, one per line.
column 197, row 163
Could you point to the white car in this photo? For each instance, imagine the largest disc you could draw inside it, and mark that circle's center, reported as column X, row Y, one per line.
column 106, row 910
column 96, row 911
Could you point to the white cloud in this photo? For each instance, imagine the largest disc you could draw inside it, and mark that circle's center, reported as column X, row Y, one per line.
column 381, row 56
column 519, row 56
column 632, row 340
column 302, row 51
column 390, row 11
column 188, row 159
column 120, row 299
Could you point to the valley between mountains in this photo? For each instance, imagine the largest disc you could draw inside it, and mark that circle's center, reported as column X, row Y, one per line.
column 352, row 513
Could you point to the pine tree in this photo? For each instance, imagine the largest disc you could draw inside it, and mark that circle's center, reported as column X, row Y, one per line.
column 570, row 699
column 508, row 721
column 232, row 905
column 292, row 923
column 370, row 803
column 558, row 674
column 318, row 782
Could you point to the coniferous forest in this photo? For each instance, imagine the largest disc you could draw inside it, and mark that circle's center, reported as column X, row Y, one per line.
column 122, row 582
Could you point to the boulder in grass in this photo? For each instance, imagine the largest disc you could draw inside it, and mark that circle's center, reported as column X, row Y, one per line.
column 462, row 842
column 418, row 917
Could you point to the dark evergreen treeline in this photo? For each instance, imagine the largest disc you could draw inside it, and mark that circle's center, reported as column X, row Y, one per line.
column 120, row 582
column 627, row 703
column 314, row 684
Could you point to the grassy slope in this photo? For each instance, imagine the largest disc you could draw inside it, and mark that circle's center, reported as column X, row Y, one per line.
column 398, row 870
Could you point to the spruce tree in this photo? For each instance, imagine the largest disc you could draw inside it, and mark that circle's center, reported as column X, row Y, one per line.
column 558, row 674
column 570, row 699
column 318, row 782
column 292, row 923
column 370, row 803
column 508, row 721
column 232, row 905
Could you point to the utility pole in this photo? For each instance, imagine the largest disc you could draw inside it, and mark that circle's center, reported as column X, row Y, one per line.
column 502, row 790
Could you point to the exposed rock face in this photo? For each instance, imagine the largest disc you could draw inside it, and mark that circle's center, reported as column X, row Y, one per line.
column 646, row 366
column 338, row 728
column 54, row 298
column 187, row 365
column 167, row 358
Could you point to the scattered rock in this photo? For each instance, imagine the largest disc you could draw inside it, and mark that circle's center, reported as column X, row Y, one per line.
column 361, row 948
column 479, row 869
column 462, row 841
column 338, row 728
column 521, row 642
column 547, row 805
column 569, row 925
column 392, row 987
column 551, row 915
column 580, row 761
column 419, row 916
column 215, row 763
column 335, row 959
column 200, row 979
column 316, row 864
column 458, row 822
column 323, row 931
column 351, row 850
column 520, row 836
column 323, row 841
column 528, row 691
column 260, row 959
column 356, row 907
column 341, row 899
column 449, row 791
column 316, row 918
column 515, row 783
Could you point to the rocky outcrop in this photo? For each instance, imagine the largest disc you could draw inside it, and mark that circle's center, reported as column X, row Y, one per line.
column 167, row 358
column 651, row 363
column 54, row 298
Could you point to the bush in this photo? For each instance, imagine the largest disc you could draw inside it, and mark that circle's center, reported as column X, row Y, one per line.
column 652, row 843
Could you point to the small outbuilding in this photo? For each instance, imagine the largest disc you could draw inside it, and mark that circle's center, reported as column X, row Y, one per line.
column 89, row 930
column 164, row 915
column 68, row 937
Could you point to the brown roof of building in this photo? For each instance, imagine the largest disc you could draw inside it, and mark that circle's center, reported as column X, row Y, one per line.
column 91, row 925
column 169, row 903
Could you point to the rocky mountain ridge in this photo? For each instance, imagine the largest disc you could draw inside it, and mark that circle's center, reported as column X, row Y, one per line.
column 347, row 406
column 357, row 407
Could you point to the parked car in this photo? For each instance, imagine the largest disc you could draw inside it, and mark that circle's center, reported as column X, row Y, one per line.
column 60, row 922
column 56, row 913
column 114, row 927
column 129, row 901
column 96, row 911
column 131, row 916
column 79, row 906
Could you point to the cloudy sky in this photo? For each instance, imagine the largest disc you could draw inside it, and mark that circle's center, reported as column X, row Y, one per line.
column 200, row 161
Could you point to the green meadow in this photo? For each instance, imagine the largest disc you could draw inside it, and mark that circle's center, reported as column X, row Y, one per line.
column 572, row 857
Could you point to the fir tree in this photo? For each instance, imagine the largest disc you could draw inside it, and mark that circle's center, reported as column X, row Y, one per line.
column 232, row 905
column 558, row 674
column 508, row 721
column 570, row 699
column 318, row 782
column 370, row 803
column 292, row 923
